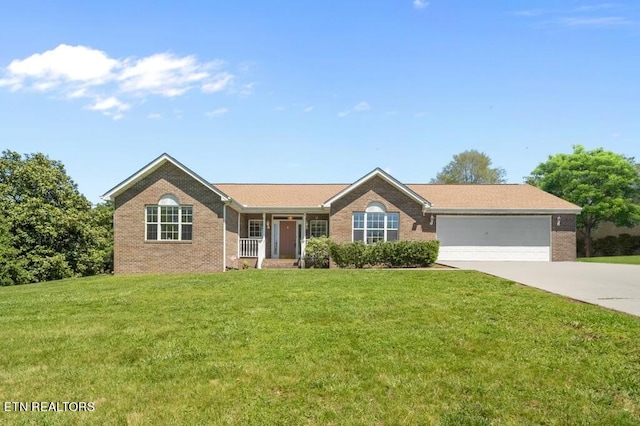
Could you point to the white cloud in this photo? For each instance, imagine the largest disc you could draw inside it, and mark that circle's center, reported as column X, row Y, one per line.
column 109, row 103
column 65, row 63
column 591, row 7
column 73, row 72
column 362, row 106
column 111, row 107
column 216, row 112
column 308, row 108
column 220, row 81
column 585, row 16
column 154, row 116
column 359, row 107
column 599, row 22
column 420, row 4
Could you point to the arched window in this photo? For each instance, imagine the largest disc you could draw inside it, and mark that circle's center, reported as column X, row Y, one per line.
column 375, row 224
column 168, row 200
column 169, row 221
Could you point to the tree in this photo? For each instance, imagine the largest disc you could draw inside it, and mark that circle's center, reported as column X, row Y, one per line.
column 48, row 226
column 603, row 183
column 470, row 167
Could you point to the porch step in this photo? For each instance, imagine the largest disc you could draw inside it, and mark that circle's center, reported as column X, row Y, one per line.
column 280, row 263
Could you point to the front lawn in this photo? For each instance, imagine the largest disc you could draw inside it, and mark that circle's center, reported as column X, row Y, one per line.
column 628, row 260
column 297, row 347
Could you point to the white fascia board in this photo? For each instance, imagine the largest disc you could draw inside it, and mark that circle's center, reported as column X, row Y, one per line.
column 435, row 210
column 151, row 167
column 387, row 177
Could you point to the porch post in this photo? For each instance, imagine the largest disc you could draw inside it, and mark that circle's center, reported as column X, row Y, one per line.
column 304, row 226
column 239, row 217
column 264, row 225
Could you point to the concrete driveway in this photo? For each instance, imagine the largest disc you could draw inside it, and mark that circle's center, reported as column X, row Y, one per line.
column 613, row 286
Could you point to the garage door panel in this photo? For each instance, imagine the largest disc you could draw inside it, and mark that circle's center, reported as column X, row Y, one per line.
column 494, row 237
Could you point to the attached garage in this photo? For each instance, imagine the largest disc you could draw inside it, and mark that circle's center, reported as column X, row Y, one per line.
column 515, row 238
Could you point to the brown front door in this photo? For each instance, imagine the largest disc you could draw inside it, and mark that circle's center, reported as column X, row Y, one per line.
column 287, row 239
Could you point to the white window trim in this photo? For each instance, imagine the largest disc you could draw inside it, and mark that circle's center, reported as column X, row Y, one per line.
column 159, row 223
column 316, row 221
column 364, row 229
column 261, row 222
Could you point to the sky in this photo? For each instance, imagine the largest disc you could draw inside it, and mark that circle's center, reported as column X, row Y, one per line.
column 317, row 92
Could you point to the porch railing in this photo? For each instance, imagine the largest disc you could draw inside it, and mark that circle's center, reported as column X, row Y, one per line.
column 253, row 247
column 248, row 247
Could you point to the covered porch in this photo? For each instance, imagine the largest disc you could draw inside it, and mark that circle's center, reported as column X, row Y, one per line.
column 278, row 235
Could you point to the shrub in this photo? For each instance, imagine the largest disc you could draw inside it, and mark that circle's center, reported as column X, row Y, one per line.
column 396, row 254
column 623, row 244
column 317, row 252
column 347, row 255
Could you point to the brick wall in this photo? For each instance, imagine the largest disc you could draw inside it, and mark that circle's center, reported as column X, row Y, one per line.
column 563, row 238
column 132, row 254
column 413, row 225
column 232, row 238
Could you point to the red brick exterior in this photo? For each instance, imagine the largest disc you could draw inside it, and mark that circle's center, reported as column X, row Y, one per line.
column 563, row 238
column 232, row 238
column 132, row 254
column 413, row 224
column 215, row 242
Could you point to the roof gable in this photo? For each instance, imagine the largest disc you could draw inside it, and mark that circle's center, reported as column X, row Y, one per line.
column 378, row 172
column 153, row 166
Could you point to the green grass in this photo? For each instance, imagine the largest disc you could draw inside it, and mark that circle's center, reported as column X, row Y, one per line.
column 627, row 260
column 316, row 347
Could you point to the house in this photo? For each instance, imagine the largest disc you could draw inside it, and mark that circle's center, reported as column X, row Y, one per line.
column 169, row 219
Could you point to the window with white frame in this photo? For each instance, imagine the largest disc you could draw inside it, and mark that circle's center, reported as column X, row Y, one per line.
column 318, row 228
column 169, row 221
column 255, row 228
column 375, row 224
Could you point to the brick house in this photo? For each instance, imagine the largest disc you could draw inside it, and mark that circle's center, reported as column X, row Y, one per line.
column 169, row 219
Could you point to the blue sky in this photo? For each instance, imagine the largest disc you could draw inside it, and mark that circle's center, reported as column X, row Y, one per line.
column 297, row 91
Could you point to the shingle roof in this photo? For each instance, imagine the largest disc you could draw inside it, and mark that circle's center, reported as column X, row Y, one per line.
column 280, row 195
column 509, row 196
column 462, row 197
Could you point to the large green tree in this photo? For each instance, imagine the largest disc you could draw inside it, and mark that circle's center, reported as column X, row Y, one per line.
column 48, row 229
column 470, row 167
column 603, row 183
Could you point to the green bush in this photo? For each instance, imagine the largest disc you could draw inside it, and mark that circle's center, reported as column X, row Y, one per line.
column 623, row 244
column 391, row 254
column 317, row 252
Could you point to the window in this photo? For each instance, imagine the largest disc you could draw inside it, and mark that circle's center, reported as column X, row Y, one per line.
column 169, row 221
column 318, row 228
column 255, row 228
column 375, row 225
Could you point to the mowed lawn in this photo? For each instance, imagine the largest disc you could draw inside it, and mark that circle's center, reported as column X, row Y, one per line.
column 628, row 260
column 340, row 347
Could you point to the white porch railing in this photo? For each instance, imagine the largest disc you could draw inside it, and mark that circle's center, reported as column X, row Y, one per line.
column 248, row 247
column 252, row 247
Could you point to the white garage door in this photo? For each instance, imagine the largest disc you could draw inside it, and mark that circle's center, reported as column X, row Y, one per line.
column 494, row 237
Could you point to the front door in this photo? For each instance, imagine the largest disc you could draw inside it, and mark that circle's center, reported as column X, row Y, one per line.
column 287, row 239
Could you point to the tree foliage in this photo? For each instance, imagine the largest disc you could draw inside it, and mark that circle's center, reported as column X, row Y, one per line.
column 605, row 184
column 49, row 230
column 470, row 167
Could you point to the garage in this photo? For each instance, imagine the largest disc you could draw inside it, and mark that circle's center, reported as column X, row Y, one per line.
column 515, row 238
